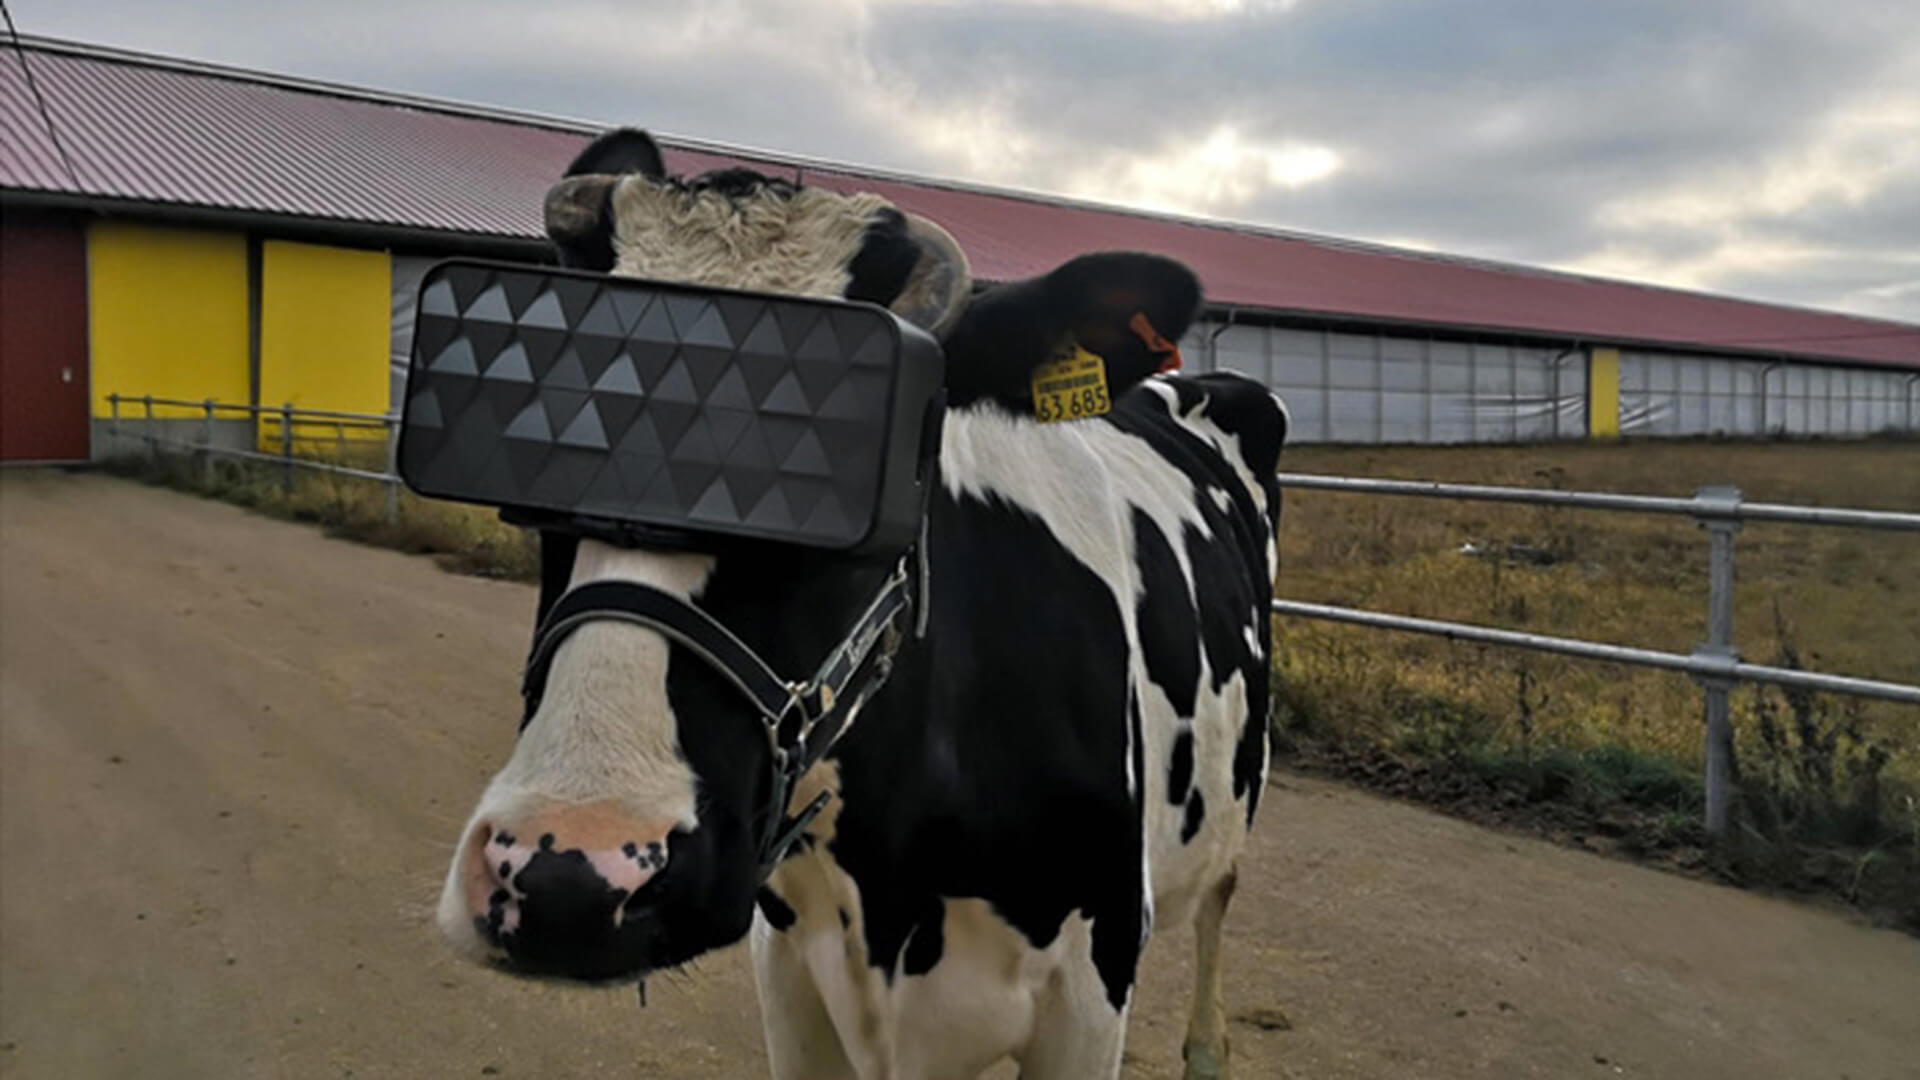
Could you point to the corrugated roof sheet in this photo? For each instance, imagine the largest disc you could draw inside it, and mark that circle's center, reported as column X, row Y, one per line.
column 152, row 130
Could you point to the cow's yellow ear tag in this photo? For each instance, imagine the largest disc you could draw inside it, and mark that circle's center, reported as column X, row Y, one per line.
column 1073, row 387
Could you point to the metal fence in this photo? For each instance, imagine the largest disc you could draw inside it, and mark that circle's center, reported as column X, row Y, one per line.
column 284, row 426
column 1714, row 662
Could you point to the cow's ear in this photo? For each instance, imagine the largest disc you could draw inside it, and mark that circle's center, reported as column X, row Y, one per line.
column 912, row 267
column 941, row 282
column 1126, row 308
column 576, row 210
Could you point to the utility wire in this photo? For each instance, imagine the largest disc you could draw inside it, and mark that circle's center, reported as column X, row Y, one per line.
column 33, row 87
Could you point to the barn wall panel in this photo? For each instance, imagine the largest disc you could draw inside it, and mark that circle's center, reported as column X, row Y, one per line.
column 167, row 314
column 325, row 327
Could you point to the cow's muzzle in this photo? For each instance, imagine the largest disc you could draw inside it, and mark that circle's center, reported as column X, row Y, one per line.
column 568, row 893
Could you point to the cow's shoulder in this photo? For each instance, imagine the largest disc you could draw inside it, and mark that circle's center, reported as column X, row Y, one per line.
column 1223, row 430
column 1240, row 414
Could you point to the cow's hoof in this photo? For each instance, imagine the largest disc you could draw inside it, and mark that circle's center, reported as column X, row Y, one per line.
column 1206, row 1062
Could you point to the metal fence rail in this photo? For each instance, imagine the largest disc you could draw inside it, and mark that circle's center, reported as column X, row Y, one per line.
column 1709, row 503
column 1714, row 663
column 285, row 419
column 1737, row 670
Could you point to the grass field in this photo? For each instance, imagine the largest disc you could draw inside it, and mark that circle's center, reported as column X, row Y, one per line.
column 1830, row 786
column 1824, row 779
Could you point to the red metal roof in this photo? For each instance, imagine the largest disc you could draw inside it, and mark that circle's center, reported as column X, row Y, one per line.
column 152, row 130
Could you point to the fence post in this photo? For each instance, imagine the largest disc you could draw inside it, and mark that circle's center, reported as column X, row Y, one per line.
column 153, row 446
column 1718, row 506
column 286, row 446
column 206, row 444
column 113, row 424
column 393, row 470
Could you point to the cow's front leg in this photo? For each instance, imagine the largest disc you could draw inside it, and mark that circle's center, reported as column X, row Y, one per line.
column 801, row 1041
column 1206, row 1046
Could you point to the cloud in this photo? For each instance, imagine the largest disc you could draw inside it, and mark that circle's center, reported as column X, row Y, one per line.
column 1765, row 147
column 1218, row 174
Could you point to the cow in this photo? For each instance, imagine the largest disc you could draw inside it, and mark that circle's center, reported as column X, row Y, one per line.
column 1068, row 748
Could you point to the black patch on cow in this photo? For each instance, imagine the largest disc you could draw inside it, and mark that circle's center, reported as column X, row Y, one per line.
column 1196, row 815
column 618, row 152
column 1180, row 767
column 993, row 763
column 1223, row 619
column 1166, row 620
column 927, row 942
column 886, row 258
column 845, row 919
column 778, row 913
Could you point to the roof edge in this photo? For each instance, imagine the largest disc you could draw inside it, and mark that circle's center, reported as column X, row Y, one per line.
column 577, row 126
column 346, row 230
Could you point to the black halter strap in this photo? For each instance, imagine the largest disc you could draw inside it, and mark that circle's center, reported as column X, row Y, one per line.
column 803, row 720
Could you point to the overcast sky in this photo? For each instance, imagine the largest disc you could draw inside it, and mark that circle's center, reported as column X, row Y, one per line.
column 1764, row 148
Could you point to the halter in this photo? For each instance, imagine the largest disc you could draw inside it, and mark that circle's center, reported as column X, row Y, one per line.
column 802, row 719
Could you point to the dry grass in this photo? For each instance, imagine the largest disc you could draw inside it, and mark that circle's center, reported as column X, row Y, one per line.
column 1849, row 599
column 1845, row 601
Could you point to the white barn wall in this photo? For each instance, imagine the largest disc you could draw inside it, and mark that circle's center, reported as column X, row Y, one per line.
column 1357, row 387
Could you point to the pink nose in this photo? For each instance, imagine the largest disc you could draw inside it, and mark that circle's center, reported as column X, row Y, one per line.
column 576, row 865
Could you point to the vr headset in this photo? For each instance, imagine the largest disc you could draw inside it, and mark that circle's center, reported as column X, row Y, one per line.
column 660, row 414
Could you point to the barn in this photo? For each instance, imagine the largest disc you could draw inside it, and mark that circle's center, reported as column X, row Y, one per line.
column 190, row 231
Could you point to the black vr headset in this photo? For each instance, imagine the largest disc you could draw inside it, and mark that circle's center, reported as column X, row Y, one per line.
column 667, row 415
column 663, row 415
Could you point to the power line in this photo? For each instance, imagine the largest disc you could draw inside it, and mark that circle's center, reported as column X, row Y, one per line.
column 33, row 87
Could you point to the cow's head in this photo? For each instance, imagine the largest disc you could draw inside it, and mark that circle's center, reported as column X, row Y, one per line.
column 621, row 836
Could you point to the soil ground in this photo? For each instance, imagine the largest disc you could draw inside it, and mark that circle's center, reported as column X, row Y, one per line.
column 234, row 755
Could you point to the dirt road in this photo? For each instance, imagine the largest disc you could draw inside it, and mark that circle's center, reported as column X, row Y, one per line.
column 235, row 755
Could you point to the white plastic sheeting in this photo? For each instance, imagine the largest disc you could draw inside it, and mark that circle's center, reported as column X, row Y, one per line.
column 407, row 271
column 1384, row 388
column 1668, row 394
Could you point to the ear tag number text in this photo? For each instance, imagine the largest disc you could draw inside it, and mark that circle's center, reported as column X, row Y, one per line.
column 1073, row 387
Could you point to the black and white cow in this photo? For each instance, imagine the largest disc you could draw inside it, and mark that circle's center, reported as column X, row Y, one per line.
column 1069, row 757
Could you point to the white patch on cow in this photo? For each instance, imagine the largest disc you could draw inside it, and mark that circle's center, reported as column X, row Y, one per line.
column 605, row 724
column 604, row 729
column 1221, row 500
column 800, row 245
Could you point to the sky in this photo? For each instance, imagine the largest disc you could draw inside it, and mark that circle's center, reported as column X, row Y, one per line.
column 1761, row 148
